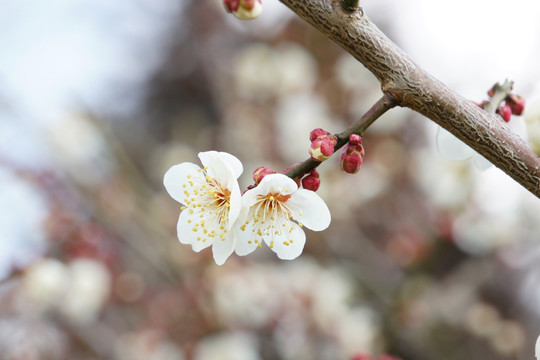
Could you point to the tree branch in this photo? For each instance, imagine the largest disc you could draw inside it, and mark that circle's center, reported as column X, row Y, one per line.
column 414, row 88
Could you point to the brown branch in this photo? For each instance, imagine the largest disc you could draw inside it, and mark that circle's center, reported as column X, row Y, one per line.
column 412, row 87
column 385, row 103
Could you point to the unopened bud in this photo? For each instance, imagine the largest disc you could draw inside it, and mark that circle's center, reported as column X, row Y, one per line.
column 231, row 5
column 505, row 112
column 244, row 9
column 316, row 133
column 260, row 173
column 322, row 147
column 516, row 104
column 352, row 155
column 311, row 182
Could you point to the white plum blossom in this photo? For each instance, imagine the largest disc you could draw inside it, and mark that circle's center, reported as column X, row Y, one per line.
column 212, row 202
column 452, row 148
column 274, row 212
column 537, row 348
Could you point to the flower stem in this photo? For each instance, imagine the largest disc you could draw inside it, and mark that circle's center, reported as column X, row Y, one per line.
column 385, row 103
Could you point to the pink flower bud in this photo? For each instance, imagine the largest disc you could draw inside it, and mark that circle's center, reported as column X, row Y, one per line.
column 244, row 9
column 322, row 147
column 352, row 155
column 505, row 112
column 231, row 5
column 311, row 182
column 260, row 173
column 516, row 103
column 361, row 357
column 355, row 139
column 315, row 133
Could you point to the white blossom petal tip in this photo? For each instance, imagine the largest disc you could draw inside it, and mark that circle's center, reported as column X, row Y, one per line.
column 274, row 212
column 211, row 202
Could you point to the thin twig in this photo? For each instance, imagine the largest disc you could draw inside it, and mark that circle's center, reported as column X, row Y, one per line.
column 385, row 103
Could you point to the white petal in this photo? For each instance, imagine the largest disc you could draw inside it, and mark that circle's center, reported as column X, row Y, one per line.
column 537, row 349
column 309, row 209
column 235, row 202
column 217, row 168
column 451, row 147
column 289, row 245
column 233, row 163
column 176, row 177
column 276, row 183
column 245, row 243
column 222, row 249
column 481, row 162
column 185, row 232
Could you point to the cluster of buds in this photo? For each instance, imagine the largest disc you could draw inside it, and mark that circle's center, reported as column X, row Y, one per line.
column 513, row 104
column 352, row 155
column 322, row 144
column 244, row 9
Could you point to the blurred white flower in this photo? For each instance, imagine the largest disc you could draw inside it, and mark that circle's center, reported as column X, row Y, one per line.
column 227, row 346
column 537, row 348
column 89, row 288
column 45, row 283
column 268, row 212
column 447, row 183
column 81, row 148
column 146, row 345
column 357, row 331
column 211, row 199
column 452, row 148
column 532, row 120
column 262, row 71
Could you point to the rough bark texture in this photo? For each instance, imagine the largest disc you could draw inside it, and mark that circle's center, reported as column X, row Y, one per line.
column 414, row 88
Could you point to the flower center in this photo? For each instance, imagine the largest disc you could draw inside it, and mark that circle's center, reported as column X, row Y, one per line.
column 270, row 217
column 208, row 203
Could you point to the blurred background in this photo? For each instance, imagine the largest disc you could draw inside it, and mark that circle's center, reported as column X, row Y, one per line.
column 425, row 257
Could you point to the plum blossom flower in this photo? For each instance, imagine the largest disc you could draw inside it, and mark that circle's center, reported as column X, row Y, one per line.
column 212, row 202
column 274, row 212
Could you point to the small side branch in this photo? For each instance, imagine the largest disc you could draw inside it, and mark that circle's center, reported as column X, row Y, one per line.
column 385, row 103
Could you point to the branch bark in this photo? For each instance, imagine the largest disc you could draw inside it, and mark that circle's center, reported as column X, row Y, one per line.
column 414, row 88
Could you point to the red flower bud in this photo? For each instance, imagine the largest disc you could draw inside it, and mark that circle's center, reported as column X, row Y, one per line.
column 352, row 155
column 260, row 173
column 505, row 112
column 322, row 147
column 231, row 5
column 311, row 182
column 315, row 133
column 516, row 104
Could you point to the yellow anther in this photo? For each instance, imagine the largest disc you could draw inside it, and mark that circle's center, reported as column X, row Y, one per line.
column 259, row 245
column 243, row 227
column 271, row 198
column 300, row 213
column 189, row 221
column 286, row 243
column 183, row 208
column 194, row 229
column 184, row 186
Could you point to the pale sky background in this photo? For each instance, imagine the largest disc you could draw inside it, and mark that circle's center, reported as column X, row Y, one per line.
column 59, row 54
